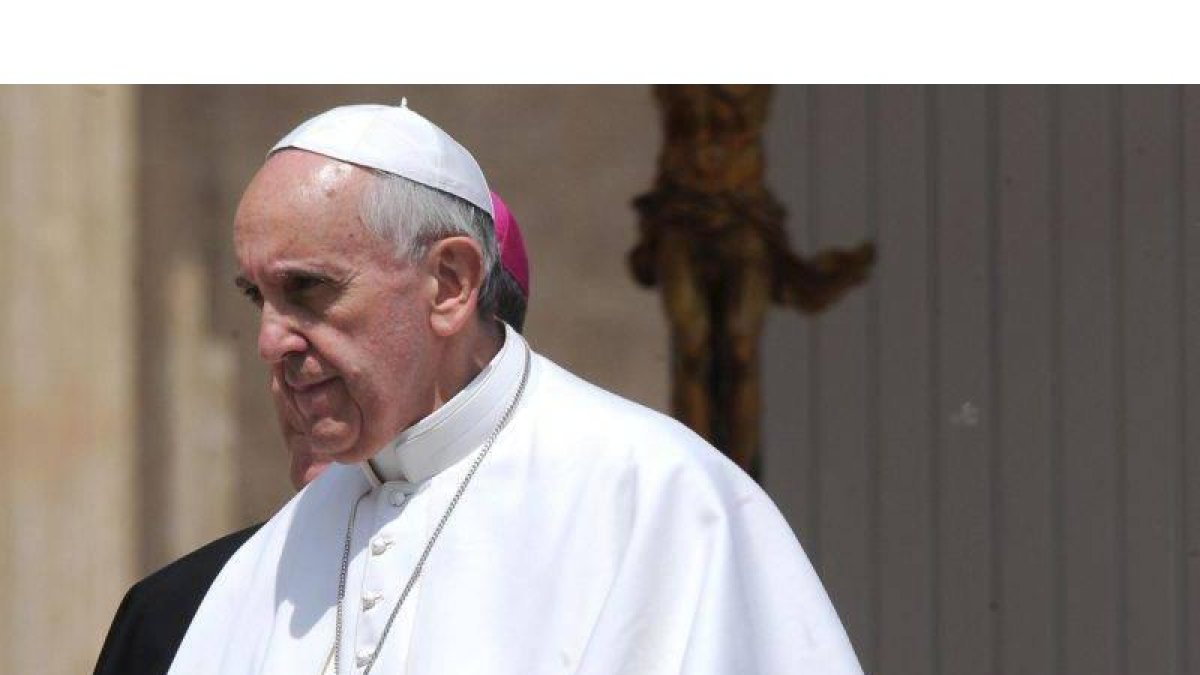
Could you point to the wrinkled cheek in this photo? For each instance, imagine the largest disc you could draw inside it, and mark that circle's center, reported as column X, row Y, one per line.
column 285, row 410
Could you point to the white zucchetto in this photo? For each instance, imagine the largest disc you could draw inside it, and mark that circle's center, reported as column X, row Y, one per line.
column 396, row 140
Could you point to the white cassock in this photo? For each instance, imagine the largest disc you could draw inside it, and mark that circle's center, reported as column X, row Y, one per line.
column 597, row 538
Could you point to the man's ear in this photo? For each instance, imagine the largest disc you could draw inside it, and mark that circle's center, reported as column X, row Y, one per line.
column 456, row 266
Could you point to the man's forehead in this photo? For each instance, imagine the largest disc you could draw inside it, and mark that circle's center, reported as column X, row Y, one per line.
column 275, row 254
column 308, row 173
column 297, row 183
column 301, row 207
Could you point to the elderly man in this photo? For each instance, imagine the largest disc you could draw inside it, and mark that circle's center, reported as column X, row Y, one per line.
column 511, row 283
column 156, row 612
column 483, row 511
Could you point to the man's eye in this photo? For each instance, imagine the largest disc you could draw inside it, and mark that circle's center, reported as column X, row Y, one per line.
column 301, row 284
column 253, row 294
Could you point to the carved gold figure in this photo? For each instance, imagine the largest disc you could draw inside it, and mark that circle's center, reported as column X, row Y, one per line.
column 712, row 238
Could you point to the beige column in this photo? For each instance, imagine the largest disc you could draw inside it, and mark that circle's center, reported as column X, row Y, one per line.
column 67, row 211
column 186, row 399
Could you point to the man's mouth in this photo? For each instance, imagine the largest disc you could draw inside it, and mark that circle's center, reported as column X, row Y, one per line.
column 315, row 398
column 308, row 386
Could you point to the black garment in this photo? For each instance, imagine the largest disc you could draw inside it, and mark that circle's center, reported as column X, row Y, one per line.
column 156, row 612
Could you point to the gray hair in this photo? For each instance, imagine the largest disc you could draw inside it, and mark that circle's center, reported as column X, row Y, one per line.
column 510, row 300
column 414, row 217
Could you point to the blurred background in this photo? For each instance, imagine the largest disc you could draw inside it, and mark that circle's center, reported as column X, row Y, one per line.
column 989, row 452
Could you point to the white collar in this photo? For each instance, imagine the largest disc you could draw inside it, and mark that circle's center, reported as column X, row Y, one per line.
column 458, row 427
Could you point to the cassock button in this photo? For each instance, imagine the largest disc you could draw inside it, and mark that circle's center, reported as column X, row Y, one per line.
column 370, row 600
column 380, row 544
column 364, row 657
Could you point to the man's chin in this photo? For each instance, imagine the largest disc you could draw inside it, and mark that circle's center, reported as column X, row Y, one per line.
column 329, row 440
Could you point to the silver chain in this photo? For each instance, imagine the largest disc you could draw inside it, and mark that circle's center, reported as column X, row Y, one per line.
column 437, row 531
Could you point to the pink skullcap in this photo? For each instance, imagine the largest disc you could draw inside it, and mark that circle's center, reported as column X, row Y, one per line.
column 511, row 245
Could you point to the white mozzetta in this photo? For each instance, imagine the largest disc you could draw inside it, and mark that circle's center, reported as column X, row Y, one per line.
column 598, row 537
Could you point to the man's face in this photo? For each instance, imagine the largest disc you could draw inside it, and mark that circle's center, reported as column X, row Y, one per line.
column 344, row 325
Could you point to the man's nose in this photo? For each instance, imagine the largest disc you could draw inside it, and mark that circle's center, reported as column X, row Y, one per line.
column 278, row 336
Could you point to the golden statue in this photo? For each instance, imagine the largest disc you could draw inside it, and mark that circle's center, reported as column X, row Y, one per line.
column 712, row 237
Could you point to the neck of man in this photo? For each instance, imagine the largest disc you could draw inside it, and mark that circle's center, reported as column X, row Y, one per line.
column 470, row 400
column 465, row 355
